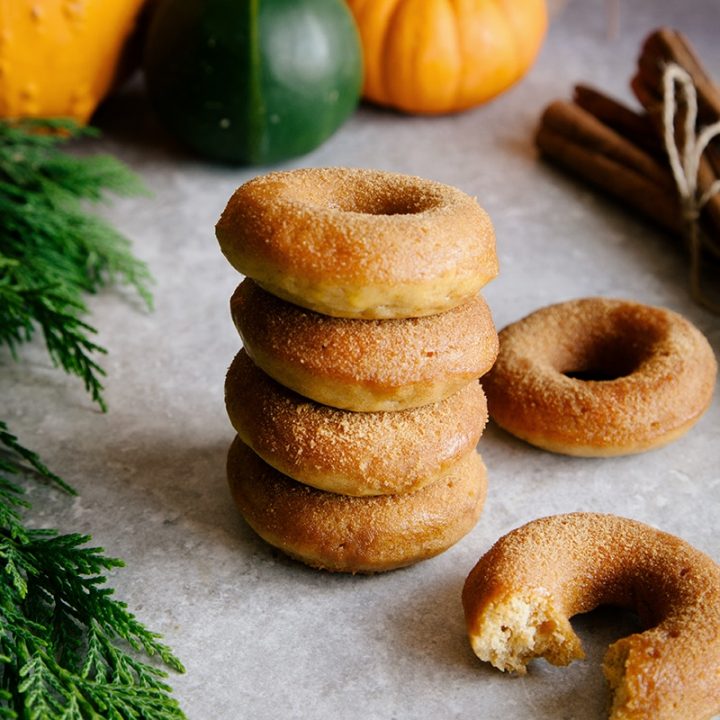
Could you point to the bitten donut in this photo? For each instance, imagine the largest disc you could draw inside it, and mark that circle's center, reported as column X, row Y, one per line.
column 359, row 243
column 346, row 452
column 365, row 365
column 352, row 534
column 519, row 597
column 600, row 377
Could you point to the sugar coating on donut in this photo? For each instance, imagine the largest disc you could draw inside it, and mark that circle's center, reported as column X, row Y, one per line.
column 346, row 452
column 520, row 596
column 365, row 365
column 340, row 533
column 359, row 243
column 600, row 377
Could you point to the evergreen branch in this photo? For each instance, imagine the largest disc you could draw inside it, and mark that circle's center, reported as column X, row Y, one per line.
column 31, row 458
column 68, row 649
column 52, row 251
column 56, row 313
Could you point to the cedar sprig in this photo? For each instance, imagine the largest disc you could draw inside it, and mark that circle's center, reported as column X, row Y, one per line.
column 52, row 251
column 68, row 649
column 57, row 313
column 32, row 462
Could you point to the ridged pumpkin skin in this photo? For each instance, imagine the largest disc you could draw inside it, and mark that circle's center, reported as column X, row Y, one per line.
column 59, row 58
column 253, row 81
column 442, row 56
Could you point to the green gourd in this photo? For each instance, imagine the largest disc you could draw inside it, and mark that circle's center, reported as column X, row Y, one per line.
column 253, row 81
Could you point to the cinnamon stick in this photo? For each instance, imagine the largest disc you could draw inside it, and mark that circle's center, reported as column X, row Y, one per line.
column 632, row 125
column 664, row 46
column 641, row 131
column 622, row 151
column 585, row 129
column 661, row 47
column 576, row 140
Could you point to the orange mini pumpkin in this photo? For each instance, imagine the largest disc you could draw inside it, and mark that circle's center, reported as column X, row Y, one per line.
column 441, row 56
column 59, row 58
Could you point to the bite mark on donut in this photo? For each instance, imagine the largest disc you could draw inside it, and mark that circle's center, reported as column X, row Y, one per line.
column 520, row 596
column 519, row 627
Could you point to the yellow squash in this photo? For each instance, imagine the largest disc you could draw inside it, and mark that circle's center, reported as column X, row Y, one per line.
column 441, row 56
column 59, row 58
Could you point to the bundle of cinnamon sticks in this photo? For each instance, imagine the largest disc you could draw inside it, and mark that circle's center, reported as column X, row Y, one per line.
column 622, row 151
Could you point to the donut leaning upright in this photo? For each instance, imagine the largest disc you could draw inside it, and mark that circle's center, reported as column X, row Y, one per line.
column 356, row 397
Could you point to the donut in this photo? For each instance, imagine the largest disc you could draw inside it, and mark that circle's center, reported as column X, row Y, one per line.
column 359, row 243
column 365, row 365
column 346, row 452
column 600, row 377
column 356, row 534
column 519, row 597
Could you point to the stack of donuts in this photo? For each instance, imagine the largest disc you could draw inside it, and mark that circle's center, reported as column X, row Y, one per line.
column 355, row 397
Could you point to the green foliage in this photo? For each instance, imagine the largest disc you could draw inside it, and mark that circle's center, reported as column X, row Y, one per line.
column 68, row 649
column 52, row 251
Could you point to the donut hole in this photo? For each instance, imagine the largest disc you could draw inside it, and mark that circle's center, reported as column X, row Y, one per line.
column 605, row 358
column 403, row 205
column 386, row 202
column 365, row 196
column 603, row 365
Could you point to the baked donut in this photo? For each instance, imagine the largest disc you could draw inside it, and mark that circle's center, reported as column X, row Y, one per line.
column 346, row 452
column 600, row 377
column 359, row 243
column 365, row 365
column 519, row 597
column 353, row 534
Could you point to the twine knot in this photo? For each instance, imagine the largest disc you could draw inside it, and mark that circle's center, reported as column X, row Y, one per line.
column 685, row 164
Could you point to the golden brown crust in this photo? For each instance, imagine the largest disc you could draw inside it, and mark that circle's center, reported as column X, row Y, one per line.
column 359, row 243
column 345, row 452
column 519, row 597
column 661, row 369
column 352, row 534
column 365, row 365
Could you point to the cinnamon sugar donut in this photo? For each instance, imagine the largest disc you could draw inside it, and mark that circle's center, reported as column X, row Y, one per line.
column 359, row 243
column 600, row 377
column 365, row 365
column 346, row 452
column 353, row 534
column 519, row 597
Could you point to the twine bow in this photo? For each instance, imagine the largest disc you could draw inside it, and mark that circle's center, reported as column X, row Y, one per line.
column 685, row 165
